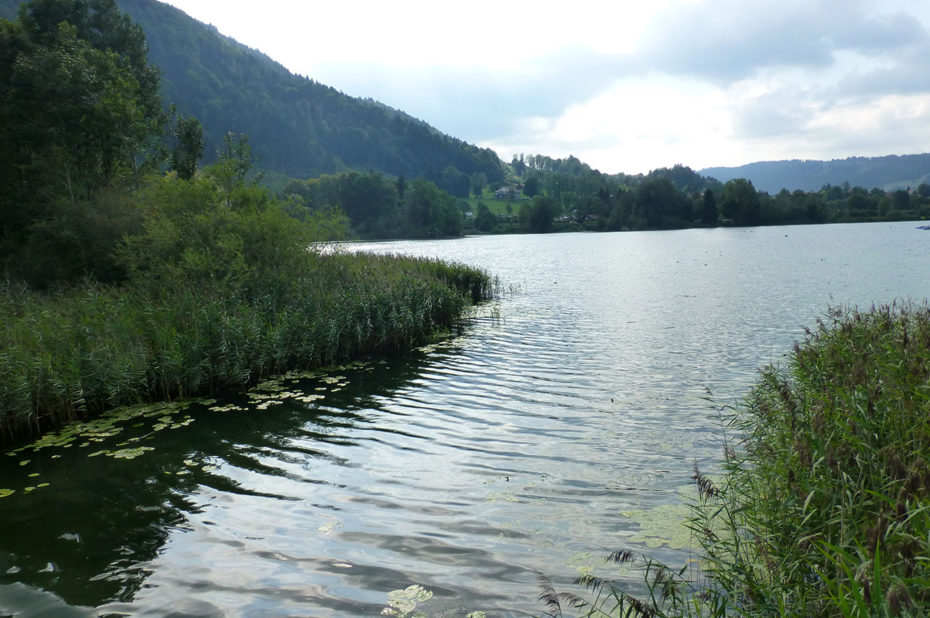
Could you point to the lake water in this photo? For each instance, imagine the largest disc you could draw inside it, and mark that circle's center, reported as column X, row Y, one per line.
column 561, row 424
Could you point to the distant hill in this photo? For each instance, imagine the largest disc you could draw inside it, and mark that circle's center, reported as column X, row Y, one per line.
column 889, row 172
column 296, row 126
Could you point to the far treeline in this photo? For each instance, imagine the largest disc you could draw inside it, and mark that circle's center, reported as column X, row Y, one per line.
column 128, row 273
column 559, row 195
column 541, row 194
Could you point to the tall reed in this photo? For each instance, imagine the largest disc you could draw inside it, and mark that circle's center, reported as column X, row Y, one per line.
column 75, row 352
column 824, row 506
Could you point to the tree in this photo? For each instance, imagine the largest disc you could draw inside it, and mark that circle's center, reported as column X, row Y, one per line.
column 537, row 215
column 454, row 182
column 861, row 203
column 709, row 208
column 188, row 145
column 660, row 204
column 430, row 212
column 104, row 27
column 531, row 186
column 78, row 103
column 485, row 220
column 479, row 180
column 740, row 202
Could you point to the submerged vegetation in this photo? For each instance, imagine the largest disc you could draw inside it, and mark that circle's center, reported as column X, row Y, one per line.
column 824, row 505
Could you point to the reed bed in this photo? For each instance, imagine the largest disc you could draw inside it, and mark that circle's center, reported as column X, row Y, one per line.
column 824, row 505
column 75, row 352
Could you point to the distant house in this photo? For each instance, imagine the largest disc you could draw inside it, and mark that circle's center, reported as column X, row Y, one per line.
column 505, row 193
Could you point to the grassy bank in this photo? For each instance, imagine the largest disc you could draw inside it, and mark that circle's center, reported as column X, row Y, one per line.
column 824, row 505
column 74, row 353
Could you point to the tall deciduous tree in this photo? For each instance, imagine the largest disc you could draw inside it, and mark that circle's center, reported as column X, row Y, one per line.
column 77, row 104
column 708, row 208
column 740, row 202
column 188, row 145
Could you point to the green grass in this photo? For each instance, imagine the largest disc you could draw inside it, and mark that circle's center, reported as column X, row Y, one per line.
column 497, row 207
column 76, row 352
column 824, row 505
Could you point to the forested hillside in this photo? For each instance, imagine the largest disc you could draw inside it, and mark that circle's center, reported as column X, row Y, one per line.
column 888, row 173
column 296, row 126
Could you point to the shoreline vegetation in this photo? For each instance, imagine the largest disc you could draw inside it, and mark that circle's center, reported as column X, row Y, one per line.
column 823, row 507
column 74, row 353
column 216, row 289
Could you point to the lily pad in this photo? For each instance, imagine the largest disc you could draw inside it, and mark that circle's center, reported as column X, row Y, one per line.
column 130, row 453
column 405, row 602
column 6, row 492
column 227, row 408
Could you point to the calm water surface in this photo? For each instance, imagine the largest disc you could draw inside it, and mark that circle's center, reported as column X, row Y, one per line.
column 560, row 425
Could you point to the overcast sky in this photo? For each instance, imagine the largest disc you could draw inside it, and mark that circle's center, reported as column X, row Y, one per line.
column 626, row 86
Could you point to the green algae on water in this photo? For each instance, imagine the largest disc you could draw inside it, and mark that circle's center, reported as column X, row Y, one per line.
column 665, row 524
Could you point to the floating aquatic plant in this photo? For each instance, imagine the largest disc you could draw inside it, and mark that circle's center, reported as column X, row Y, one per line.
column 405, row 602
column 129, row 453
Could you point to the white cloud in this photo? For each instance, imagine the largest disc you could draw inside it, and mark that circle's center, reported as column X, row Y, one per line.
column 637, row 125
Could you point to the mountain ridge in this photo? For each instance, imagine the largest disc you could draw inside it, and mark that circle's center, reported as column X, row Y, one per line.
column 302, row 128
column 888, row 172
column 296, row 126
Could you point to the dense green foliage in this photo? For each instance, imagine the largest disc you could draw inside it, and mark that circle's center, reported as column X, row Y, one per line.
column 78, row 108
column 221, row 290
column 824, row 505
column 581, row 198
column 827, row 496
column 123, row 286
column 76, row 352
column 381, row 208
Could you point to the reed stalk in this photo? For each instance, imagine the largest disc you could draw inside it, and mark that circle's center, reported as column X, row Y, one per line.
column 73, row 353
column 824, row 505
